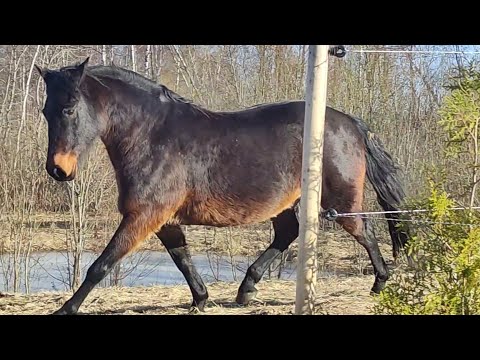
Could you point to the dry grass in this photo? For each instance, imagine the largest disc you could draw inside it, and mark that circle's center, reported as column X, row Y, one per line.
column 344, row 286
column 348, row 295
column 50, row 230
column 343, row 291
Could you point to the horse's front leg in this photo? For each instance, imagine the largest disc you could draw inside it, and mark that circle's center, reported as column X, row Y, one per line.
column 133, row 229
column 173, row 239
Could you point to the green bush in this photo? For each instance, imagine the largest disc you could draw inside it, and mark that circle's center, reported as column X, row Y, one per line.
column 446, row 249
column 446, row 243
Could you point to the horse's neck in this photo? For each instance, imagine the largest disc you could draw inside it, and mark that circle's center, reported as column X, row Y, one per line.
column 121, row 134
column 126, row 128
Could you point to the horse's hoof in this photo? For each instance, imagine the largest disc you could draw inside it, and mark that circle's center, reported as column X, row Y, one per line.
column 60, row 312
column 243, row 298
column 197, row 307
column 65, row 311
column 194, row 310
column 377, row 287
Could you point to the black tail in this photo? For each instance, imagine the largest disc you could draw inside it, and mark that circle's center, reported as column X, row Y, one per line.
column 383, row 174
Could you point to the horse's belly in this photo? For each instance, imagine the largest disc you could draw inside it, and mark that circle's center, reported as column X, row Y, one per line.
column 227, row 211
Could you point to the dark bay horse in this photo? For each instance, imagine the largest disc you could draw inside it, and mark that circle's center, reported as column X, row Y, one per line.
column 177, row 163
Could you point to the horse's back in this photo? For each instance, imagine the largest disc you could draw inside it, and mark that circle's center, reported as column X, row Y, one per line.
column 253, row 170
column 248, row 169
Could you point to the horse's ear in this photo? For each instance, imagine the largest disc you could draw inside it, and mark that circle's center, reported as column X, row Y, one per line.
column 78, row 72
column 42, row 71
column 84, row 63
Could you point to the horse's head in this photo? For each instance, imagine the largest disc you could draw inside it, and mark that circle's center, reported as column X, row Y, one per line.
column 72, row 123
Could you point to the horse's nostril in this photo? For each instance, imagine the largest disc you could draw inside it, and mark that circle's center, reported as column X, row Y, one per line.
column 59, row 173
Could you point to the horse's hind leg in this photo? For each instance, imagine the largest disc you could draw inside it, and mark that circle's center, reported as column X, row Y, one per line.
column 285, row 226
column 362, row 231
column 173, row 239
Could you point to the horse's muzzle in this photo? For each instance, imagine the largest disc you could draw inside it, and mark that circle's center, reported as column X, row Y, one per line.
column 59, row 175
column 63, row 166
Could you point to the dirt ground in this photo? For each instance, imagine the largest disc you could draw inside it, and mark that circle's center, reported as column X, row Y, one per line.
column 343, row 288
column 347, row 296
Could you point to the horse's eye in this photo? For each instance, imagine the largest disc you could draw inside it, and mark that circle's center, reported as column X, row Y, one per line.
column 68, row 111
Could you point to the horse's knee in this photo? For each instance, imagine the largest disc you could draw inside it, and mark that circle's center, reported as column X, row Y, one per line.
column 96, row 272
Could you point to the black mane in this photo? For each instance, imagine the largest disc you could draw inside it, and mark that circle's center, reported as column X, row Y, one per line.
column 158, row 91
column 136, row 80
